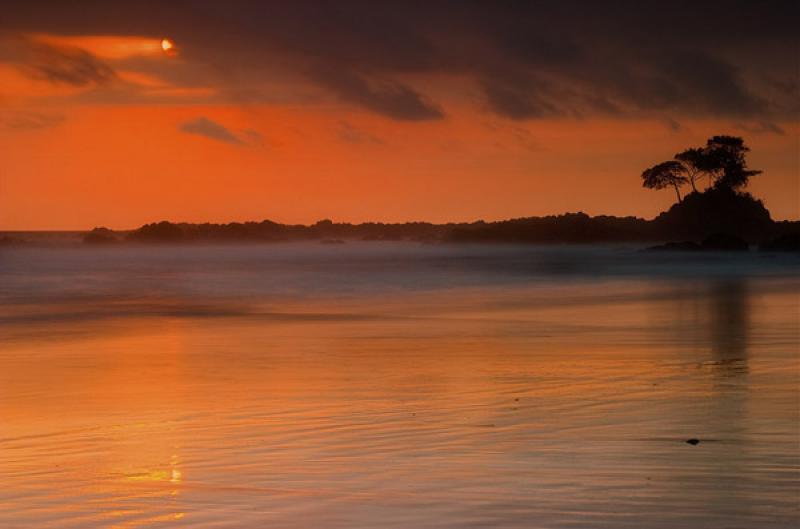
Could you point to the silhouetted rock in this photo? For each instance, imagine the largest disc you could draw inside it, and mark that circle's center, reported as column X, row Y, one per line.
column 714, row 243
column 788, row 242
column 724, row 242
column 158, row 232
column 268, row 231
column 683, row 246
column 570, row 228
column 698, row 217
column 100, row 236
column 714, row 211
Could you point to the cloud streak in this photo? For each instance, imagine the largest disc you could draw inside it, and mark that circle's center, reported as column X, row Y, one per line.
column 205, row 127
column 347, row 133
column 66, row 65
column 389, row 98
column 31, row 120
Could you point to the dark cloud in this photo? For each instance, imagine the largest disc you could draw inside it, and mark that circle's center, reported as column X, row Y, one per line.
column 70, row 66
column 530, row 60
column 518, row 102
column 350, row 134
column 203, row 126
column 761, row 127
column 673, row 125
column 253, row 137
column 31, row 120
column 390, row 98
column 707, row 83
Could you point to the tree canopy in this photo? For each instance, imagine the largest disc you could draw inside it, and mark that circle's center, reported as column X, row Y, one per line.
column 722, row 161
column 665, row 174
column 727, row 158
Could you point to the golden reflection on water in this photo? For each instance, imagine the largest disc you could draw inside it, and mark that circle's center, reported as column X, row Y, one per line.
column 464, row 407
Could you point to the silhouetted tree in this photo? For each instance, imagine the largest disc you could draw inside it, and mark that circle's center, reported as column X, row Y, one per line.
column 697, row 164
column 727, row 156
column 665, row 174
column 722, row 160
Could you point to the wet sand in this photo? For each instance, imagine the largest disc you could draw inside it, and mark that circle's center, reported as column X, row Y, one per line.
column 421, row 391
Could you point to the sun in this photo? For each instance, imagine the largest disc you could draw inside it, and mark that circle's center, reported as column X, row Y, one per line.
column 168, row 46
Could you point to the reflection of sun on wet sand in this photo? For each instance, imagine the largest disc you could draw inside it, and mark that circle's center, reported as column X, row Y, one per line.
column 172, row 474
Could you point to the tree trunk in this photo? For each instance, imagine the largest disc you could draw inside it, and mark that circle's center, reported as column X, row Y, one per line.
column 694, row 188
column 678, row 192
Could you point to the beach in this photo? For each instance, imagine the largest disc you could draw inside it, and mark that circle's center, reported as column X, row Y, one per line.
column 397, row 385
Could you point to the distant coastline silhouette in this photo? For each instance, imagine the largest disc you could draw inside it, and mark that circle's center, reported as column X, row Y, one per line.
column 720, row 217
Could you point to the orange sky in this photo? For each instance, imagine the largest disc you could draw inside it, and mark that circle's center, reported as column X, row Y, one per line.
column 141, row 148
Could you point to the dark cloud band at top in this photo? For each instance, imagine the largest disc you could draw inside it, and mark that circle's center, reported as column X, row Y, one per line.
column 529, row 60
